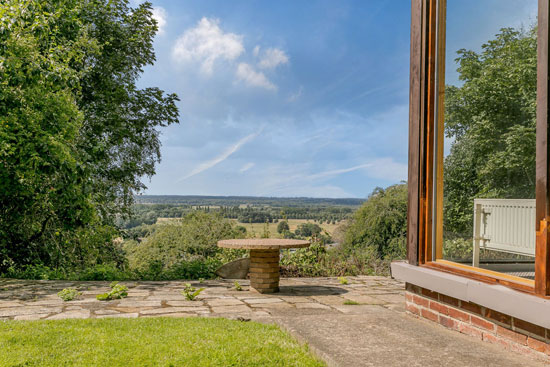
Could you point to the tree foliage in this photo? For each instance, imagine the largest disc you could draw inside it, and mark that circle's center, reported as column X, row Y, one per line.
column 380, row 223
column 175, row 244
column 76, row 134
column 253, row 216
column 283, row 226
column 490, row 119
column 308, row 230
column 119, row 135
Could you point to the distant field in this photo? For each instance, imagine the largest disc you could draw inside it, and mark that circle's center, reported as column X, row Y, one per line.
column 166, row 220
column 258, row 228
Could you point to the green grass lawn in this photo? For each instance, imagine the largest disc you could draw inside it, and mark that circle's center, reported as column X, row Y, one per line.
column 148, row 342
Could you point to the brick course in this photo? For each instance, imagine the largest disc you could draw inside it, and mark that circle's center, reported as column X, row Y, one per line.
column 477, row 321
column 264, row 270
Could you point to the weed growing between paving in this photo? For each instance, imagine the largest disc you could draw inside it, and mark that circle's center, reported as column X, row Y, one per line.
column 191, row 292
column 118, row 291
column 343, row 280
column 69, row 294
column 349, row 302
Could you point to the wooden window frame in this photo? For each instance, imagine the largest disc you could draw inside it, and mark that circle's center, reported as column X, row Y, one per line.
column 423, row 128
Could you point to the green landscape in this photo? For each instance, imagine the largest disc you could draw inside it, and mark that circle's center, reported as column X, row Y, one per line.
column 171, row 241
column 80, row 136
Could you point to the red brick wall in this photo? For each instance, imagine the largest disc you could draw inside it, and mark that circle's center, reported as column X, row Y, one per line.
column 478, row 321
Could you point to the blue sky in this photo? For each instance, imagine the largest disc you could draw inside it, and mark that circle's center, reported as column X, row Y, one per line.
column 295, row 98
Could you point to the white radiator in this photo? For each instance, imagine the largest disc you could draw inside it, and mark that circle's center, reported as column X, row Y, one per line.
column 506, row 225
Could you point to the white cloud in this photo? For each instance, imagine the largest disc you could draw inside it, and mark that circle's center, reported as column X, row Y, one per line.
column 382, row 168
column 246, row 167
column 207, row 43
column 272, row 57
column 254, row 78
column 291, row 179
column 338, row 172
column 300, row 176
column 222, row 157
column 256, row 51
column 159, row 14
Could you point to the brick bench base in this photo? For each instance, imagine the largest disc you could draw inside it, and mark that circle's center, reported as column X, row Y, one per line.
column 264, row 270
column 478, row 321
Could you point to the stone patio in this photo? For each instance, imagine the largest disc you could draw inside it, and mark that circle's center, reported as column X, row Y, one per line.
column 376, row 332
column 34, row 300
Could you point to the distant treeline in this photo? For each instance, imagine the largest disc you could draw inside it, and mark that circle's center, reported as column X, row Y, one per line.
column 246, row 200
column 244, row 209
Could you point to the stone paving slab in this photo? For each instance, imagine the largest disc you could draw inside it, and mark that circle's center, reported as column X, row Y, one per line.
column 23, row 299
column 377, row 332
column 375, row 336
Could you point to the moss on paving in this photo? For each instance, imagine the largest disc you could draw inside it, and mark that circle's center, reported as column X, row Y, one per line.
column 148, row 342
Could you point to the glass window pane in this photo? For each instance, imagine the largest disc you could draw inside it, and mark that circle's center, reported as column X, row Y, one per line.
column 487, row 142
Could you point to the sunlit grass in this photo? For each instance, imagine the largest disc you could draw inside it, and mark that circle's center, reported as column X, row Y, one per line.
column 148, row 342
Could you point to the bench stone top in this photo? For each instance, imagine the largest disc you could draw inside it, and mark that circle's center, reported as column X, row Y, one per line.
column 262, row 243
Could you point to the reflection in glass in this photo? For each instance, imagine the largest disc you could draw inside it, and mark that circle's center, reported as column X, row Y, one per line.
column 485, row 148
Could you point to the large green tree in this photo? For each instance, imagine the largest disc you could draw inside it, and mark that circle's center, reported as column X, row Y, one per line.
column 490, row 119
column 76, row 134
column 120, row 134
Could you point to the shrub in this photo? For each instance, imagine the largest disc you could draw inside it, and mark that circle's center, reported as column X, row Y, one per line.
column 288, row 235
column 304, row 261
column 183, row 250
column 37, row 271
column 457, row 249
column 381, row 223
column 241, row 229
column 318, row 261
column 139, row 232
column 107, row 272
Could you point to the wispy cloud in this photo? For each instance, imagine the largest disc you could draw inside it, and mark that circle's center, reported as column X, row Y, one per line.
column 206, row 43
column 246, row 167
column 337, row 172
column 282, row 180
column 222, row 157
column 382, row 168
column 295, row 96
